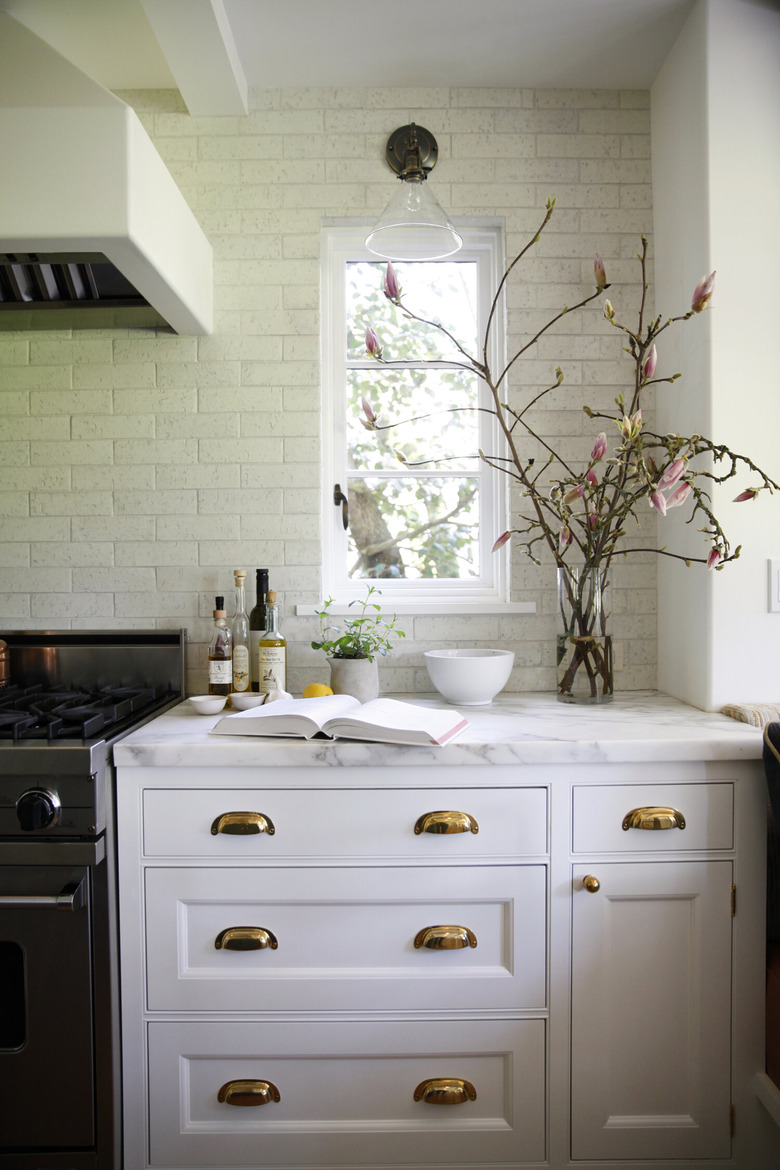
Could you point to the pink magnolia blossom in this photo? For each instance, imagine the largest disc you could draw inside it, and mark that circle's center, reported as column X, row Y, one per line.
column 714, row 559
column 658, row 501
column 599, row 447
column 600, row 273
column 574, row 494
column 678, row 495
column 591, row 477
column 748, row 494
column 368, row 410
column 564, row 538
column 671, row 474
column 630, row 427
column 702, row 293
column 372, row 343
column 392, row 288
column 593, row 519
column 500, row 541
column 648, row 369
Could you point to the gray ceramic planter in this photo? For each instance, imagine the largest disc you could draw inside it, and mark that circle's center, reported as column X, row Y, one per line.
column 354, row 676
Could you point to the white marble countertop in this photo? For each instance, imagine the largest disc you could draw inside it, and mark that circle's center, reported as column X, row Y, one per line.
column 513, row 729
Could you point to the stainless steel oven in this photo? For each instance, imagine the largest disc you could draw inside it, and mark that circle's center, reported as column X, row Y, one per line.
column 68, row 698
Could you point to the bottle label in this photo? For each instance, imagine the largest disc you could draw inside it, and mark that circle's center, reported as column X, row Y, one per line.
column 220, row 670
column 272, row 662
column 240, row 668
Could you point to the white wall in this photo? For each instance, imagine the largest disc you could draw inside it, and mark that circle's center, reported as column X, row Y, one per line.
column 716, row 175
column 141, row 469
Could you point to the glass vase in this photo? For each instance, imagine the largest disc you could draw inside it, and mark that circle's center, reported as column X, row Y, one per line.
column 584, row 639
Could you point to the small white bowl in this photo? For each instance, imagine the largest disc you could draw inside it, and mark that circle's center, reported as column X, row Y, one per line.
column 243, row 700
column 469, row 678
column 208, row 704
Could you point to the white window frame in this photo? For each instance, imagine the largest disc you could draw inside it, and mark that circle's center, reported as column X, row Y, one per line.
column 343, row 243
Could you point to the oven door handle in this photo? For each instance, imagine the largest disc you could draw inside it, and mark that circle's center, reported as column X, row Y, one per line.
column 70, row 897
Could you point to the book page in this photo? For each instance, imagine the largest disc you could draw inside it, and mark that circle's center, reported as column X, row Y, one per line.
column 290, row 716
column 424, row 724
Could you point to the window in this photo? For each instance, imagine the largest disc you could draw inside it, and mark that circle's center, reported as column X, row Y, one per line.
column 423, row 524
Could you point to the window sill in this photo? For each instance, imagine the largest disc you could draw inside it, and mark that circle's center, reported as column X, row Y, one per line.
column 429, row 607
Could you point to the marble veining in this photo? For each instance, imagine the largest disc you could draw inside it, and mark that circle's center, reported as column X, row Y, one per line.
column 513, row 729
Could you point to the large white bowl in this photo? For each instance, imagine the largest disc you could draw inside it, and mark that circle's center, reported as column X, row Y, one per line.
column 469, row 678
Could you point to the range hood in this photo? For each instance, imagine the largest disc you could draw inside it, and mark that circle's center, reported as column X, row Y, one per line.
column 94, row 232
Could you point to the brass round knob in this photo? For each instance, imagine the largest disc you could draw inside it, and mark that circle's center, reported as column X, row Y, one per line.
column 591, row 883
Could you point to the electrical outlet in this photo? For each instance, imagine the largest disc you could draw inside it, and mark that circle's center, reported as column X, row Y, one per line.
column 773, row 585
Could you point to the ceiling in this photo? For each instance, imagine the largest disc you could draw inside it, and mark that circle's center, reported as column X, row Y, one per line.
column 214, row 50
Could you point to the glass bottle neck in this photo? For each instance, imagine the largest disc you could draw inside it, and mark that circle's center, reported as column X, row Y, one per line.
column 272, row 619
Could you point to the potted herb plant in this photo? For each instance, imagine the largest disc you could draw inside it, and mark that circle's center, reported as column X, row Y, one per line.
column 352, row 647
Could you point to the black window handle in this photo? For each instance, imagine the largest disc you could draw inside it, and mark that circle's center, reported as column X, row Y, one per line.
column 340, row 498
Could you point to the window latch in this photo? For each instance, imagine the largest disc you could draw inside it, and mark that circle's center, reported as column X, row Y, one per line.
column 340, row 498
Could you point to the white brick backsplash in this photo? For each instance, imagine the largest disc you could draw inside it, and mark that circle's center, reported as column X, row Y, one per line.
column 141, row 468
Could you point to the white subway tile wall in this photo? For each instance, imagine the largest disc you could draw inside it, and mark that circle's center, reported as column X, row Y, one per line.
column 141, row 468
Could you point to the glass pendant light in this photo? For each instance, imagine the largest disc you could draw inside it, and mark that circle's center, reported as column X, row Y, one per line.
column 413, row 226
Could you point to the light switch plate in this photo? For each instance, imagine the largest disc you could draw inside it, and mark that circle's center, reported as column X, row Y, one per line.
column 773, row 585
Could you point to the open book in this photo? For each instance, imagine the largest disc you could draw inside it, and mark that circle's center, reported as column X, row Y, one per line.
column 342, row 717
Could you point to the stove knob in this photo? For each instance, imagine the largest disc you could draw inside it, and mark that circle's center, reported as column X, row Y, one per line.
column 37, row 809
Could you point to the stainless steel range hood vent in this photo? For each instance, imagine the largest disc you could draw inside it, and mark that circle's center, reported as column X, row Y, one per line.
column 94, row 233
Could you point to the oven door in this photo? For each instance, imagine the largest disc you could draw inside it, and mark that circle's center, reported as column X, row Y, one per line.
column 46, row 1023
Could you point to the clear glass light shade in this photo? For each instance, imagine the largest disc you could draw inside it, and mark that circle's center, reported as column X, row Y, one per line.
column 413, row 226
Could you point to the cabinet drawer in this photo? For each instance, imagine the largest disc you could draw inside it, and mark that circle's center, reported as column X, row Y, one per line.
column 361, row 824
column 344, row 938
column 601, row 811
column 346, row 1093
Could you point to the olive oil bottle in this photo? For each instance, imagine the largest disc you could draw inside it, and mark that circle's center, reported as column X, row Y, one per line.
column 272, row 650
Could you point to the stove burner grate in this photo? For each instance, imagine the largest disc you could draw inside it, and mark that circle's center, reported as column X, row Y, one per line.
column 70, row 712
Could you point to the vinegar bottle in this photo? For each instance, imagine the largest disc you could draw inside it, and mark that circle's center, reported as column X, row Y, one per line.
column 220, row 653
column 256, row 626
column 240, row 631
column 272, row 650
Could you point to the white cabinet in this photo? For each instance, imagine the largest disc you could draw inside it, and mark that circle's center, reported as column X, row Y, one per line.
column 651, row 1010
column 349, row 967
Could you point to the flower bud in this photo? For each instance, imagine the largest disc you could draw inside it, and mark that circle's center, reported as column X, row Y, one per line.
column 573, row 494
column 678, row 495
column 748, row 494
column 564, row 538
column 392, row 288
column 671, row 474
column 714, row 559
column 368, row 410
column 702, row 293
column 599, row 447
column 500, row 541
column 651, row 361
column 372, row 343
column 591, row 477
column 658, row 501
column 609, row 312
column 600, row 273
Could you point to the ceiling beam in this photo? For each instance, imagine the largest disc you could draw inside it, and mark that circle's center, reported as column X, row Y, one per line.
column 198, row 45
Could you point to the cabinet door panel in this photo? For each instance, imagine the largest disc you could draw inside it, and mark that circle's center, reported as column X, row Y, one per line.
column 651, row 1011
column 346, row 1093
column 345, row 938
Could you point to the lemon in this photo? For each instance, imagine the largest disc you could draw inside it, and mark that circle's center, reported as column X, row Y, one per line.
column 316, row 690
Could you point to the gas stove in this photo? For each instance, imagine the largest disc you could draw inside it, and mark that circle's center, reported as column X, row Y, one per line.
column 66, row 697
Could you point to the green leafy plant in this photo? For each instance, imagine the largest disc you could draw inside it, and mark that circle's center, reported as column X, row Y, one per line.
column 358, row 637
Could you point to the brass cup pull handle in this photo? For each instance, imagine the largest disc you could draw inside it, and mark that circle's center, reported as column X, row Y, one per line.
column 445, row 938
column 446, row 821
column 653, row 817
column 243, row 823
column 248, row 1093
column 591, row 883
column 245, row 938
column 445, row 1091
